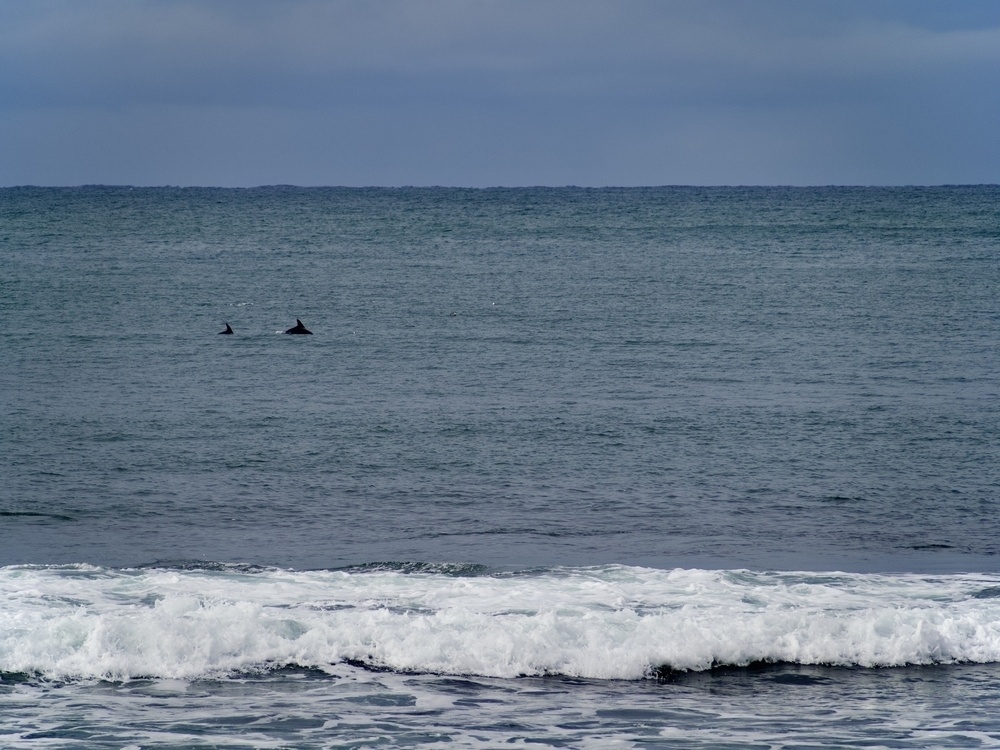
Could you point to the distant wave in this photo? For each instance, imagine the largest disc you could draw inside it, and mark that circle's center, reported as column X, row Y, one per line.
column 33, row 514
column 611, row 622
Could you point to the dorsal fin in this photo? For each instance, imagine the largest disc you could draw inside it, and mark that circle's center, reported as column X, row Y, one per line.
column 298, row 328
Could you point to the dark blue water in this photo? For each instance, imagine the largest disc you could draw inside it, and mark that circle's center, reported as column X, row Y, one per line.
column 525, row 383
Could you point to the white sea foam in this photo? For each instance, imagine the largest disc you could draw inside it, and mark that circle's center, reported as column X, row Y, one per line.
column 610, row 622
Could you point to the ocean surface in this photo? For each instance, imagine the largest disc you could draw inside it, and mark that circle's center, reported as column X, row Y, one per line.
column 558, row 467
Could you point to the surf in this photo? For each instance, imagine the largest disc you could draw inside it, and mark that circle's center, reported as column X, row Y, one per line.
column 605, row 623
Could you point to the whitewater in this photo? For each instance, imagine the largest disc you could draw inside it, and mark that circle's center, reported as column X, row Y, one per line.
column 611, row 623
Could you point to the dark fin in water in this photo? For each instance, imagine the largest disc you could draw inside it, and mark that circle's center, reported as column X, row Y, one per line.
column 299, row 328
column 229, row 329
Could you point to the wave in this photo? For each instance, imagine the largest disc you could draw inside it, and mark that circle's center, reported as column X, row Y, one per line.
column 609, row 622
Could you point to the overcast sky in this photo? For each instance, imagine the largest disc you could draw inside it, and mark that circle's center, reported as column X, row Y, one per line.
column 499, row 92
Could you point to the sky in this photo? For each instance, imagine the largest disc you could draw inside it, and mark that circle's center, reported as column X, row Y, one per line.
column 485, row 93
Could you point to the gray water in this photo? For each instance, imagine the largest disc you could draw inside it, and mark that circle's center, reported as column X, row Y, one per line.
column 500, row 381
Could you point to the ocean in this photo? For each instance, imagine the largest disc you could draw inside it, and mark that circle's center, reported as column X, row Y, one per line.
column 557, row 467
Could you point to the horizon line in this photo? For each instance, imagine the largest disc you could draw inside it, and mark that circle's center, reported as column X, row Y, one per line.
column 784, row 186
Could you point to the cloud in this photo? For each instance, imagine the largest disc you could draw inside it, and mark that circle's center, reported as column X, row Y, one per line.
column 551, row 90
column 307, row 53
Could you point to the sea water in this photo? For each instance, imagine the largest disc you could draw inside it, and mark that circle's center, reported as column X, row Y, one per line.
column 667, row 467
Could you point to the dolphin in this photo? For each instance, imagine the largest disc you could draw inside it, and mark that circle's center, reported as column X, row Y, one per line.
column 229, row 329
column 299, row 328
